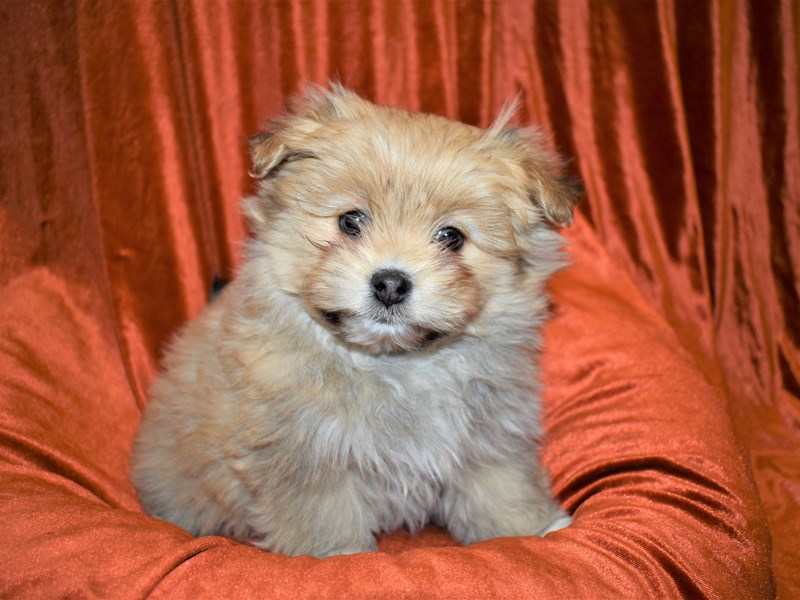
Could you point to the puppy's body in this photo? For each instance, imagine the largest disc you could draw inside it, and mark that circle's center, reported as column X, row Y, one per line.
column 367, row 372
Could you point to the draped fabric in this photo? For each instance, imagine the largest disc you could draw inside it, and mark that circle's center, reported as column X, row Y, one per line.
column 672, row 364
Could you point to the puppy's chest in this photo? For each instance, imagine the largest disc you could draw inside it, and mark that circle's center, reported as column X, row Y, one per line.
column 416, row 427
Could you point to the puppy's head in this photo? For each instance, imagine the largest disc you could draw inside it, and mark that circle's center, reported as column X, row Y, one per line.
column 398, row 230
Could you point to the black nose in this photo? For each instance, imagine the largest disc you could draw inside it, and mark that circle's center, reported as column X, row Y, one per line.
column 391, row 287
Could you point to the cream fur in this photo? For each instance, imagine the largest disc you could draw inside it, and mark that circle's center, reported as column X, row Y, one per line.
column 301, row 413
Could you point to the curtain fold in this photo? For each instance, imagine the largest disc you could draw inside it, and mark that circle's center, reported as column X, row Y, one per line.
column 125, row 126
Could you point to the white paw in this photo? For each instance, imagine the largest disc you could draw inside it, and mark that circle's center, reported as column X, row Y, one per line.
column 343, row 551
column 559, row 523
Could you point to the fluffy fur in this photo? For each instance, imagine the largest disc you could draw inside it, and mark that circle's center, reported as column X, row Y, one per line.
column 304, row 414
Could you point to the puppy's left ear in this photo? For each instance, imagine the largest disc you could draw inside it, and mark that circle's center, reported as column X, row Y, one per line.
column 557, row 193
column 550, row 188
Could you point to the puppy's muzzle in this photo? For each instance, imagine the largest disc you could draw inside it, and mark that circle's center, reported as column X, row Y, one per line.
column 391, row 286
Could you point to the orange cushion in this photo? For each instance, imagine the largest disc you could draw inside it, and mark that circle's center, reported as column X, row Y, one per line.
column 640, row 448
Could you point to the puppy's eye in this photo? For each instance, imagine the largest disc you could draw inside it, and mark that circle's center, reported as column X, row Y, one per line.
column 449, row 237
column 350, row 223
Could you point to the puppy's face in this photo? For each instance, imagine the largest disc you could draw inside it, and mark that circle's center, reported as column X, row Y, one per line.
column 402, row 230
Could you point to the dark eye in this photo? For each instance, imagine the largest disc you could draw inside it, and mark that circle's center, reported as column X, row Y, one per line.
column 350, row 223
column 449, row 237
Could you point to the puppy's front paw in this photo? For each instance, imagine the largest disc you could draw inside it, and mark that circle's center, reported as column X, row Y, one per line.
column 501, row 500
column 318, row 544
column 347, row 550
column 328, row 520
column 559, row 523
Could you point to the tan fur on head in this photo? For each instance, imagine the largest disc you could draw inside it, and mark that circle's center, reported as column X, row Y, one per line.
column 370, row 366
column 549, row 188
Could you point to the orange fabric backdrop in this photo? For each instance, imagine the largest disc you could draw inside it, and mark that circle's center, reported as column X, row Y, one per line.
column 123, row 160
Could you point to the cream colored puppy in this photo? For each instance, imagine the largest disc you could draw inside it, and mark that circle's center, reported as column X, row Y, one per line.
column 372, row 366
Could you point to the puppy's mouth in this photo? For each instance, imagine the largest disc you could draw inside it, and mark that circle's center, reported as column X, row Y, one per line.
column 384, row 333
column 332, row 317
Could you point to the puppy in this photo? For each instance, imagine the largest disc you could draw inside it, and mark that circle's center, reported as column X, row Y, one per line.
column 372, row 365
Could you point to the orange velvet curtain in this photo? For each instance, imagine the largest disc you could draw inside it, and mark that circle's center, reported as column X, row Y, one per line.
column 123, row 155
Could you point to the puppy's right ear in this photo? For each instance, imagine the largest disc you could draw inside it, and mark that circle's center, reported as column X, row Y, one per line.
column 269, row 153
column 265, row 152
column 287, row 137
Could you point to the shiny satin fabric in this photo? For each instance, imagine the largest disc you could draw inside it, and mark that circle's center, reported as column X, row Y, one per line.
column 672, row 364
